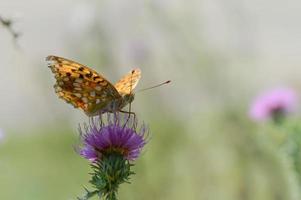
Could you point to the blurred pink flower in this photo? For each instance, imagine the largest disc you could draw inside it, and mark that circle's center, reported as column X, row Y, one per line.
column 1, row 135
column 273, row 104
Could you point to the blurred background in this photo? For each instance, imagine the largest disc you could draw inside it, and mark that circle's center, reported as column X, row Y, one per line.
column 218, row 54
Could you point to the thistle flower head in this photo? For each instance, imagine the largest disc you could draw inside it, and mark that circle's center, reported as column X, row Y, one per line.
column 111, row 145
column 118, row 135
column 273, row 104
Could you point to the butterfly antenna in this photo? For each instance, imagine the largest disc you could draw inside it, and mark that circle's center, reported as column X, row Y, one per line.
column 166, row 82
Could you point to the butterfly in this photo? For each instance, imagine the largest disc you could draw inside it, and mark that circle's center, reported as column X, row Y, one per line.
column 89, row 91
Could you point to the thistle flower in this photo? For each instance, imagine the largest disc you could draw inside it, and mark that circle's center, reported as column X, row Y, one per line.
column 274, row 104
column 111, row 146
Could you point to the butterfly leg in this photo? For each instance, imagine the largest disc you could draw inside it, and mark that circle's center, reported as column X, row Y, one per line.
column 129, row 116
column 130, row 105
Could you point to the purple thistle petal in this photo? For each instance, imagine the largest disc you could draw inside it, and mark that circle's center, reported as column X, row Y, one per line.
column 278, row 100
column 113, row 136
column 89, row 153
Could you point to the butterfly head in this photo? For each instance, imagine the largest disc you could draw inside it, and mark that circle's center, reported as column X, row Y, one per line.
column 128, row 98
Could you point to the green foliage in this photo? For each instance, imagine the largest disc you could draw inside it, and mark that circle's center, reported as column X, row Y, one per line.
column 88, row 194
column 291, row 144
column 41, row 164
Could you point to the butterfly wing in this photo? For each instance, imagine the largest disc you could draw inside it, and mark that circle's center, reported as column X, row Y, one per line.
column 128, row 82
column 81, row 86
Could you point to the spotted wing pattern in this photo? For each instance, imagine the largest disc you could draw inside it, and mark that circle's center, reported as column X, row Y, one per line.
column 81, row 86
column 127, row 83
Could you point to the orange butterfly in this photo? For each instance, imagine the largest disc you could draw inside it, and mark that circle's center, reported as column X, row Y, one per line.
column 84, row 88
